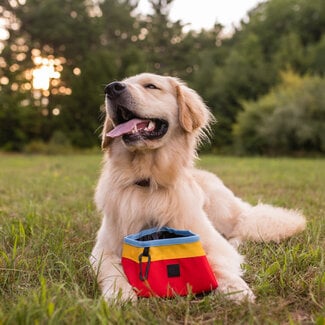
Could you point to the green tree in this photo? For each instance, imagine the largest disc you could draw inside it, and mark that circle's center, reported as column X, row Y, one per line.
column 73, row 34
column 291, row 118
column 280, row 34
column 163, row 40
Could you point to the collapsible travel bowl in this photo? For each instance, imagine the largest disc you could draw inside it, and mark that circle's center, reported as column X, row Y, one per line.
column 166, row 262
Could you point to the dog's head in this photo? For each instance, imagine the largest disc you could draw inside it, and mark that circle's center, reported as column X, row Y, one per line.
column 147, row 109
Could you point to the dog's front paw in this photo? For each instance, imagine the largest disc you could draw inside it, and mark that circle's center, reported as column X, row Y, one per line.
column 121, row 292
column 236, row 289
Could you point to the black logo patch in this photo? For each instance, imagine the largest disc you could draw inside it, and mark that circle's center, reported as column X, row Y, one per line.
column 173, row 270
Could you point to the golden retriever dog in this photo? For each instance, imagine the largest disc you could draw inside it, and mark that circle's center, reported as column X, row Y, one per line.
column 152, row 129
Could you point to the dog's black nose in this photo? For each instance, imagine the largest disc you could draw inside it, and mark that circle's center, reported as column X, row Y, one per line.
column 114, row 89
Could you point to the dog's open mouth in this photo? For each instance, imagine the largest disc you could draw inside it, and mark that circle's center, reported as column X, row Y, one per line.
column 133, row 128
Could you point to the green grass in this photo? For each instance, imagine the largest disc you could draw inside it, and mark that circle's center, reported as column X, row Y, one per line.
column 48, row 225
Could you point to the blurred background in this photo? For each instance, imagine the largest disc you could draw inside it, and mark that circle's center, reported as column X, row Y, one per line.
column 263, row 78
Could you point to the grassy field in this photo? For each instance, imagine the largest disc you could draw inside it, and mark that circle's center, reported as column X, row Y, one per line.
column 48, row 225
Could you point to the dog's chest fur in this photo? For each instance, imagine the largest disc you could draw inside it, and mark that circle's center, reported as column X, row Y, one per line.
column 145, row 203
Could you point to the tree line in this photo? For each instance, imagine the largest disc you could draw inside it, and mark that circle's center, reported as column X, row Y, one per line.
column 264, row 83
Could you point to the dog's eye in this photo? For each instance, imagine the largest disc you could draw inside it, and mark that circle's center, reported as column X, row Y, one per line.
column 150, row 86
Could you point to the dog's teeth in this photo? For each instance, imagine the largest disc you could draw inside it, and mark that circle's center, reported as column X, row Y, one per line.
column 151, row 126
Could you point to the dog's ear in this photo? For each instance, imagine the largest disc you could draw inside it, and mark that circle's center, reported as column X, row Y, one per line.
column 108, row 126
column 193, row 113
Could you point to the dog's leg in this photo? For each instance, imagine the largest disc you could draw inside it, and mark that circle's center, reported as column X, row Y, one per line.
column 226, row 264
column 106, row 263
column 111, row 277
column 238, row 221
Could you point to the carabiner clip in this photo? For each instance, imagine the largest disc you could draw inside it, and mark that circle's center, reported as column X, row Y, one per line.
column 145, row 253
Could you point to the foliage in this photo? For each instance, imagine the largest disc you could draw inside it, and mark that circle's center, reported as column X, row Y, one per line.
column 99, row 41
column 48, row 227
column 288, row 119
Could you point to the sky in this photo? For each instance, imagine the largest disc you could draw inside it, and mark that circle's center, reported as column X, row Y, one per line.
column 204, row 13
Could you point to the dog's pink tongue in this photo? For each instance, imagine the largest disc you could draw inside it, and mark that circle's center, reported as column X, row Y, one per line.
column 124, row 128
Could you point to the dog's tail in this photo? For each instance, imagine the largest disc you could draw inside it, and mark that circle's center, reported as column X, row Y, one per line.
column 264, row 222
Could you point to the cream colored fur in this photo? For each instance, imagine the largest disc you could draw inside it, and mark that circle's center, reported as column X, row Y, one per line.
column 179, row 195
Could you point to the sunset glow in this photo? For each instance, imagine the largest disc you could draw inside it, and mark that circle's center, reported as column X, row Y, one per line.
column 44, row 73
